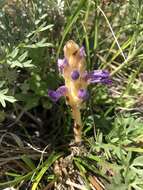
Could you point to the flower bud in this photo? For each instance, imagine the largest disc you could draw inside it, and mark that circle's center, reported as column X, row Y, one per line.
column 75, row 75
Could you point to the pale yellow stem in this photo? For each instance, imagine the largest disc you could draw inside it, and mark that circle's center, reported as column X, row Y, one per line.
column 77, row 123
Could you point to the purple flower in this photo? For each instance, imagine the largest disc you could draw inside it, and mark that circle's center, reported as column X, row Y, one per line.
column 75, row 75
column 61, row 64
column 82, row 51
column 98, row 76
column 106, row 81
column 99, row 73
column 83, row 94
column 62, row 90
column 56, row 94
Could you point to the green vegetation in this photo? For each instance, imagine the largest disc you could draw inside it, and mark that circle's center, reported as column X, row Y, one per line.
column 37, row 149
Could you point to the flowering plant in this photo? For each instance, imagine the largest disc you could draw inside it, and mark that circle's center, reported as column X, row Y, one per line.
column 73, row 70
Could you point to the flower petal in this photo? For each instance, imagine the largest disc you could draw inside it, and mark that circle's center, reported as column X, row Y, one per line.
column 83, row 94
column 62, row 90
column 61, row 64
column 106, row 81
column 82, row 51
column 56, row 94
column 98, row 76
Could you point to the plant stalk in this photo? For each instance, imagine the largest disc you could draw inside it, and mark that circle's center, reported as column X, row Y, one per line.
column 77, row 124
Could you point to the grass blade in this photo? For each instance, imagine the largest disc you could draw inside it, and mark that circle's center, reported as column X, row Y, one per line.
column 70, row 22
column 53, row 157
